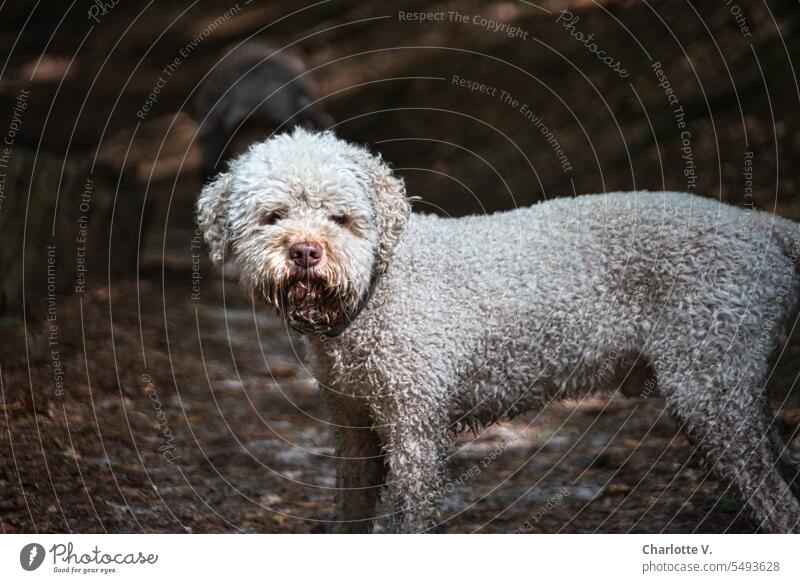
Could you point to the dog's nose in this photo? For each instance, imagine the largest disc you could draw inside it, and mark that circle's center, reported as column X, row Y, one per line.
column 305, row 254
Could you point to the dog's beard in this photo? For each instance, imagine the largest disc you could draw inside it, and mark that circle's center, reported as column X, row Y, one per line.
column 309, row 298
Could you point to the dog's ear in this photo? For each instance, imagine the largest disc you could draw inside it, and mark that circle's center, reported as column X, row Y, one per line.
column 212, row 217
column 392, row 207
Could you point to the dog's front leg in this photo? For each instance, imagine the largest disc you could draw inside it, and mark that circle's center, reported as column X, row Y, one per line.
column 416, row 449
column 360, row 465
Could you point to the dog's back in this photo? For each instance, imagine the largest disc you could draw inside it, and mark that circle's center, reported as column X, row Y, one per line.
column 558, row 299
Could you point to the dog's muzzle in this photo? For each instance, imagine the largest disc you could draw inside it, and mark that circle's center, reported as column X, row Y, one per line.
column 302, row 324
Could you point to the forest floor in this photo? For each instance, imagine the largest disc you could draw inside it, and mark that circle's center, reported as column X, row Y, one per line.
column 242, row 443
column 136, row 408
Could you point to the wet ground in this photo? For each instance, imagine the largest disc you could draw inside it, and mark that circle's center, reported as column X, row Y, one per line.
column 197, row 415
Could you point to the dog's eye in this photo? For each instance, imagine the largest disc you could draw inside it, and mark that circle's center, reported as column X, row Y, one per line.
column 270, row 218
column 341, row 220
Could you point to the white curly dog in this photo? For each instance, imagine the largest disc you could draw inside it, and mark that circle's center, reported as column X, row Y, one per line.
column 419, row 325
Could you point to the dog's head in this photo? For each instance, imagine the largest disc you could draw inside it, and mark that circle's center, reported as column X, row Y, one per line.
column 309, row 220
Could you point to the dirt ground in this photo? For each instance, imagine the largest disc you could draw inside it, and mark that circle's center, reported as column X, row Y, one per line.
column 243, row 443
column 161, row 400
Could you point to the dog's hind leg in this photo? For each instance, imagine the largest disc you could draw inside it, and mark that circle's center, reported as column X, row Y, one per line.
column 785, row 380
column 723, row 409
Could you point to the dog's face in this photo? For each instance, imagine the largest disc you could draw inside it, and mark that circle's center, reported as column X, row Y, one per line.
column 309, row 220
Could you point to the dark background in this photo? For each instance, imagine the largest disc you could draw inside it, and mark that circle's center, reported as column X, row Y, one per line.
column 240, row 407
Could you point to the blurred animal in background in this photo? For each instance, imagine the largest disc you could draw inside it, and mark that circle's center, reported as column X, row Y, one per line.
column 254, row 91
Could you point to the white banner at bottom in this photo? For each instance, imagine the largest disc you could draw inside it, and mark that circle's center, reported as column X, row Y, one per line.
column 389, row 558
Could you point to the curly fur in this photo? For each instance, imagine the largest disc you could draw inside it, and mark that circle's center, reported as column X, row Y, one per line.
column 483, row 317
